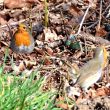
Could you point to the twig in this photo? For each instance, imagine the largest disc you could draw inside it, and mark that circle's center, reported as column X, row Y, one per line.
column 106, row 9
column 80, row 26
column 100, row 14
column 92, row 25
column 98, row 19
column 16, row 23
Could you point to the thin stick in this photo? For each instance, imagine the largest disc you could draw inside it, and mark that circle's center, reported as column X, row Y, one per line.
column 83, row 20
column 100, row 14
column 80, row 26
column 16, row 23
column 98, row 19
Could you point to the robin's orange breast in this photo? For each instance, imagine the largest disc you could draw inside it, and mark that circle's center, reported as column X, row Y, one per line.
column 22, row 39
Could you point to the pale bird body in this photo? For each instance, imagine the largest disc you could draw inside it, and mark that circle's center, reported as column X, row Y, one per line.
column 91, row 72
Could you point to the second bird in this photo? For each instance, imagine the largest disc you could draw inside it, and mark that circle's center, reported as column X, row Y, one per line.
column 91, row 72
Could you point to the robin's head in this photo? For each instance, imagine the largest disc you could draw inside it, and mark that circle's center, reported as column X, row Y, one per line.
column 102, row 54
column 98, row 51
column 22, row 27
column 101, row 50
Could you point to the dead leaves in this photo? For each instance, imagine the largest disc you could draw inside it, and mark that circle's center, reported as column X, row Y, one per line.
column 100, row 32
column 24, row 66
column 50, row 35
column 61, row 104
column 18, row 3
column 64, row 18
column 2, row 19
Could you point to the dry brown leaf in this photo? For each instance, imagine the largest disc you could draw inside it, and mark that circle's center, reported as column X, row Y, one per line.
column 76, row 12
column 93, row 3
column 38, row 42
column 92, row 93
column 40, row 51
column 19, row 68
column 55, row 18
column 50, row 35
column 30, row 63
column 18, row 3
column 103, row 91
column 61, row 104
column 33, row 1
column 2, row 19
column 80, row 99
column 47, row 61
column 27, row 72
column 100, row 32
column 16, row 69
column 77, row 54
column 49, row 50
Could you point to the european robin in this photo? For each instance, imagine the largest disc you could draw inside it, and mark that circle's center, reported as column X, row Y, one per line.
column 22, row 41
column 91, row 72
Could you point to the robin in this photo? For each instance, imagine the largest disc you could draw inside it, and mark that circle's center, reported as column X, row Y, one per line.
column 22, row 41
column 91, row 72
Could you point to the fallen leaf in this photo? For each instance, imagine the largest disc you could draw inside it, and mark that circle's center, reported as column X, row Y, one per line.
column 61, row 104
column 40, row 51
column 27, row 72
column 103, row 91
column 93, row 3
column 47, row 61
column 77, row 13
column 100, row 32
column 19, row 68
column 49, row 50
column 50, row 35
column 2, row 19
column 30, row 63
column 18, row 3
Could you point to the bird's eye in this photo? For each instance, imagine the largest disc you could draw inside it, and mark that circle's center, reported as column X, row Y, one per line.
column 24, row 27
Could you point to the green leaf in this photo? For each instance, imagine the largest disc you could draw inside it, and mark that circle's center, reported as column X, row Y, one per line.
column 68, row 42
column 75, row 45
